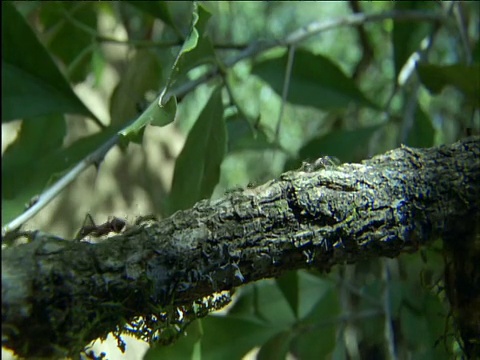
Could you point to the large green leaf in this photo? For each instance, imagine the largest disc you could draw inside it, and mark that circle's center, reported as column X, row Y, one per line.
column 197, row 169
column 463, row 77
column 32, row 85
column 315, row 81
column 67, row 38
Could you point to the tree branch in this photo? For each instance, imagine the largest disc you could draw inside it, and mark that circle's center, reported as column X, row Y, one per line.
column 59, row 295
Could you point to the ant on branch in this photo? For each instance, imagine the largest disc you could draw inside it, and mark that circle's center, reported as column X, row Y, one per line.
column 89, row 227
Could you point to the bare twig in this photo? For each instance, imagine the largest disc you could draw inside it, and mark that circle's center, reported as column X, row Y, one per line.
column 94, row 158
column 286, row 86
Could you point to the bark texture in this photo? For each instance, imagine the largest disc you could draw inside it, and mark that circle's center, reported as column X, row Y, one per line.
column 57, row 295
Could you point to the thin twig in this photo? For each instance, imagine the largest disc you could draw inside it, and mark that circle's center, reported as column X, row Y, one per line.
column 93, row 158
column 286, row 86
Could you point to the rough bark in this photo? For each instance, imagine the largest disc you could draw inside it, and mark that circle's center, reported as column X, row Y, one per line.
column 58, row 295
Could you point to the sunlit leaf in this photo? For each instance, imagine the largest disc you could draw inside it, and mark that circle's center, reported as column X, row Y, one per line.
column 315, row 81
column 197, row 169
column 32, row 85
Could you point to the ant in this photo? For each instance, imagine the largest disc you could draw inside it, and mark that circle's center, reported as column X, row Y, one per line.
column 89, row 228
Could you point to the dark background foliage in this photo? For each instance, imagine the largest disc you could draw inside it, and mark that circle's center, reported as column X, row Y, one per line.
column 74, row 73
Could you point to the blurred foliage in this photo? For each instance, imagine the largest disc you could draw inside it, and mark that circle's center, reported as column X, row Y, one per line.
column 350, row 92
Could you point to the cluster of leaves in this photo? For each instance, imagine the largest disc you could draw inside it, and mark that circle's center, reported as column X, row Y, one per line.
column 257, row 115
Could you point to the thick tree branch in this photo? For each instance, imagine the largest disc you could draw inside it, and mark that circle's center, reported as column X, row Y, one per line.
column 58, row 295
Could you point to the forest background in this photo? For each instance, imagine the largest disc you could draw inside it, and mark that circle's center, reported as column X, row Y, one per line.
column 376, row 75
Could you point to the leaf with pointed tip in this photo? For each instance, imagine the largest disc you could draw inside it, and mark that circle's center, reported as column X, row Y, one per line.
column 315, row 81
column 288, row 284
column 32, row 85
column 197, row 169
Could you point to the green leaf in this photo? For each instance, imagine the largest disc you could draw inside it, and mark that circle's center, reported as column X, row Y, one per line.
column 407, row 36
column 276, row 348
column 158, row 9
column 143, row 74
column 68, row 39
column 462, row 77
column 346, row 145
column 32, row 85
column 24, row 171
column 264, row 301
column 476, row 52
column 422, row 133
column 197, row 169
column 288, row 285
column 311, row 290
column 183, row 348
column 227, row 337
column 196, row 49
column 318, row 339
column 315, row 81
column 241, row 136
column 224, row 337
column 154, row 115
